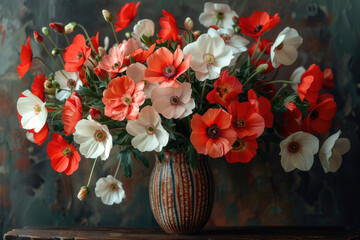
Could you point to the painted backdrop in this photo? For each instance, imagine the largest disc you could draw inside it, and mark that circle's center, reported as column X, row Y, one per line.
column 258, row 193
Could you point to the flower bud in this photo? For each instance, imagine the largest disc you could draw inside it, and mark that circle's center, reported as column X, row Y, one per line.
column 49, row 88
column 95, row 113
column 83, row 193
column 107, row 15
column 55, row 52
column 197, row 33
column 51, row 77
column 261, row 68
column 45, row 31
column 70, row 27
column 189, row 24
column 38, row 38
column 128, row 34
column 55, row 84
column 237, row 29
column 235, row 19
column 58, row 27
column 101, row 51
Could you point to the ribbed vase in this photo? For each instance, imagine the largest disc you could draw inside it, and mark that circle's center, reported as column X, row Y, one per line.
column 181, row 198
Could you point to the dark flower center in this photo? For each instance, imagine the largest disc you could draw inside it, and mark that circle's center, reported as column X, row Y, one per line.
column 71, row 83
column 258, row 28
column 169, row 71
column 314, row 115
column 127, row 99
column 99, row 135
column 213, row 131
column 67, row 152
column 225, row 37
column 150, row 129
column 240, row 123
column 221, row 91
column 239, row 145
column 37, row 109
column 219, row 15
column 80, row 55
column 174, row 100
column 293, row 147
column 113, row 187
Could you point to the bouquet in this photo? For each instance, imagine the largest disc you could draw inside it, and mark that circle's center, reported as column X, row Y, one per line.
column 180, row 91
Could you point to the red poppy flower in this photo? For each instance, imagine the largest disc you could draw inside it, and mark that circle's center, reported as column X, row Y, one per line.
column 292, row 121
column 37, row 36
column 328, row 82
column 100, row 72
column 95, row 42
column 123, row 98
column 64, row 157
column 226, row 89
column 212, row 133
column 242, row 150
column 258, row 23
column 82, row 76
column 37, row 88
column 320, row 115
column 165, row 67
column 264, row 43
column 262, row 106
column 140, row 55
column 72, row 113
column 95, row 113
column 26, row 58
column 310, row 84
column 76, row 54
column 40, row 137
column 245, row 121
column 125, row 15
column 169, row 28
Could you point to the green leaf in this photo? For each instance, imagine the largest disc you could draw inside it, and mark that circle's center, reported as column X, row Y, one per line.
column 125, row 157
column 140, row 156
column 87, row 92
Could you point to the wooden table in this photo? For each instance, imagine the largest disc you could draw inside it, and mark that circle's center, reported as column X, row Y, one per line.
column 65, row 233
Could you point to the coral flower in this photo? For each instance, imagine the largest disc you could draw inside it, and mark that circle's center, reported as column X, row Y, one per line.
column 311, row 83
column 258, row 23
column 245, row 121
column 320, row 115
column 226, row 89
column 242, row 150
column 37, row 88
column 262, row 106
column 72, row 113
column 113, row 63
column 40, row 137
column 212, row 133
column 26, row 59
column 165, row 67
column 139, row 55
column 76, row 54
column 125, row 15
column 169, row 29
column 123, row 98
column 64, row 157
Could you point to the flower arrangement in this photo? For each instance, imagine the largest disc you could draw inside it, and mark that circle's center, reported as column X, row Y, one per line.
column 180, row 91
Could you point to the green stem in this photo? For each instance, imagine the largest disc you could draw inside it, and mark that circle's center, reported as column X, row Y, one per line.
column 116, row 129
column 118, row 167
column 262, row 52
column 44, row 64
column 257, row 46
column 67, row 40
column 48, row 52
column 251, row 76
column 113, row 29
column 203, row 90
column 53, row 43
column 276, row 81
column 278, row 92
column 87, row 36
column 91, row 173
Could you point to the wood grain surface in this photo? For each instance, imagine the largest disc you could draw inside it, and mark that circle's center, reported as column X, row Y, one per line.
column 246, row 233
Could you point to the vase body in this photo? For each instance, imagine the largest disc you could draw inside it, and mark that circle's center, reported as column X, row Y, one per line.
column 181, row 197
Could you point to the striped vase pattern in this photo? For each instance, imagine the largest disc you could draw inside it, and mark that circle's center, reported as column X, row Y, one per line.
column 181, row 198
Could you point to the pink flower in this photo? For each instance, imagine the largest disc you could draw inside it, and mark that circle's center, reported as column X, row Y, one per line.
column 113, row 63
column 173, row 102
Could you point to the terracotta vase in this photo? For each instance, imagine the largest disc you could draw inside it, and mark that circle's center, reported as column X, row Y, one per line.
column 181, row 198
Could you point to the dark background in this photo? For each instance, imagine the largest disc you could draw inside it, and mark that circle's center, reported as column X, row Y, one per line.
column 33, row 194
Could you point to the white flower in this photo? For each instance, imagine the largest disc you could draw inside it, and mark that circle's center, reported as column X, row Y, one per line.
column 32, row 111
column 297, row 151
column 110, row 190
column 136, row 72
column 217, row 14
column 147, row 130
column 209, row 55
column 331, row 151
column 94, row 138
column 173, row 102
column 296, row 77
column 72, row 80
column 284, row 49
column 144, row 27
column 234, row 42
